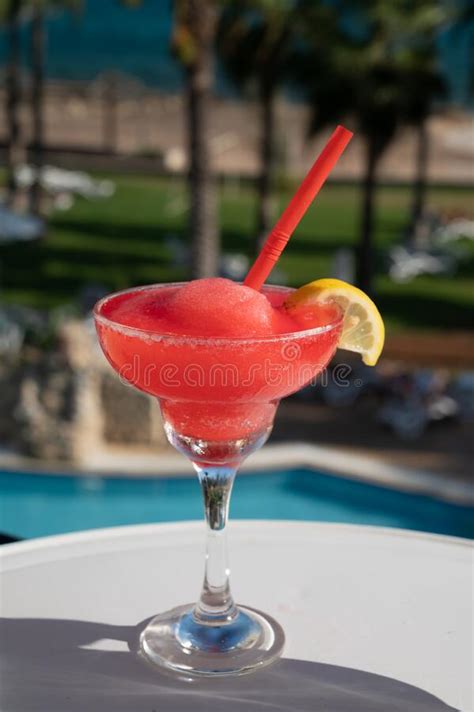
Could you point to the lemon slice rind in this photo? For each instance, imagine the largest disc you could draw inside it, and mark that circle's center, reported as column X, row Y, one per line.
column 363, row 329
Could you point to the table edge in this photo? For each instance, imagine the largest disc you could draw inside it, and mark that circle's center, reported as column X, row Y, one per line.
column 100, row 534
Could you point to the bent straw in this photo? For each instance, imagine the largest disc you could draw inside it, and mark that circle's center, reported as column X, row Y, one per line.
column 296, row 208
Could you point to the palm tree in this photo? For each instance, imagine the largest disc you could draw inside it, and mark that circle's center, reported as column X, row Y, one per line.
column 10, row 15
column 38, row 9
column 423, row 85
column 366, row 77
column 193, row 40
column 352, row 85
column 254, row 41
column 37, row 56
column 378, row 116
column 192, row 44
column 110, row 105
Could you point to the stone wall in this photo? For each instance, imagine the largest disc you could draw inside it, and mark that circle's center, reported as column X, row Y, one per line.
column 129, row 416
column 64, row 403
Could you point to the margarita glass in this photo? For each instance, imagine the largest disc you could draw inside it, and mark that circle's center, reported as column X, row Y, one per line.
column 218, row 397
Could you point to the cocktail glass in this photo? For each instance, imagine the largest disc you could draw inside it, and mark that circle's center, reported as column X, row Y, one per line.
column 218, row 397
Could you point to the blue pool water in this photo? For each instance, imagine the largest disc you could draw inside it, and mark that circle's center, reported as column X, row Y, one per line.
column 38, row 505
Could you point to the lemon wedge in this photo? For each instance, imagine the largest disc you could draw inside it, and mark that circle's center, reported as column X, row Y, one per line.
column 363, row 330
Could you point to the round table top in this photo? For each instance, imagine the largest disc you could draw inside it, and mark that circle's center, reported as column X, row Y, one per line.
column 356, row 603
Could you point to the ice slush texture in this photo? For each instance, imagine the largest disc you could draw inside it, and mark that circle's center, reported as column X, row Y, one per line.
column 203, row 307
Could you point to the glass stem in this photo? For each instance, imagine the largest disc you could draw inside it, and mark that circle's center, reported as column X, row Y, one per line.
column 216, row 605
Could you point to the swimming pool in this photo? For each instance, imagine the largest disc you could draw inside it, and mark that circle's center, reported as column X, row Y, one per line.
column 38, row 505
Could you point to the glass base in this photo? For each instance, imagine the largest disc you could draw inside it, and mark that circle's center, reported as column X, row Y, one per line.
column 176, row 641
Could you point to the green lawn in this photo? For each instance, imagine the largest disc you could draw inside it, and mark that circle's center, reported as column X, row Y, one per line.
column 120, row 242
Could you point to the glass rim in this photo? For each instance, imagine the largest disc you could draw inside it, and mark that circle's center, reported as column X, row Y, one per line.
column 159, row 336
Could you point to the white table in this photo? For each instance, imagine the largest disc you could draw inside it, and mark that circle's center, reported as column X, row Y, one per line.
column 394, row 603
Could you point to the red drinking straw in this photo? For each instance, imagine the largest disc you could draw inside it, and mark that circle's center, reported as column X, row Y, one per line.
column 296, row 208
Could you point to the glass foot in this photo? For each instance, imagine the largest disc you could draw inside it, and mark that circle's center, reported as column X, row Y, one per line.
column 176, row 641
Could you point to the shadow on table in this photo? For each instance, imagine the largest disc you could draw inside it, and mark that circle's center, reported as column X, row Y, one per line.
column 45, row 668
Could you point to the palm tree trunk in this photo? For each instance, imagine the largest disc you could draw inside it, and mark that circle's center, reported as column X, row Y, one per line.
column 110, row 114
column 201, row 180
column 37, row 62
column 420, row 183
column 13, row 97
column 267, row 161
column 365, row 257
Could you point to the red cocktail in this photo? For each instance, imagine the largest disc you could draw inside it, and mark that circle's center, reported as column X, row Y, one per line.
column 215, row 388
column 219, row 357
